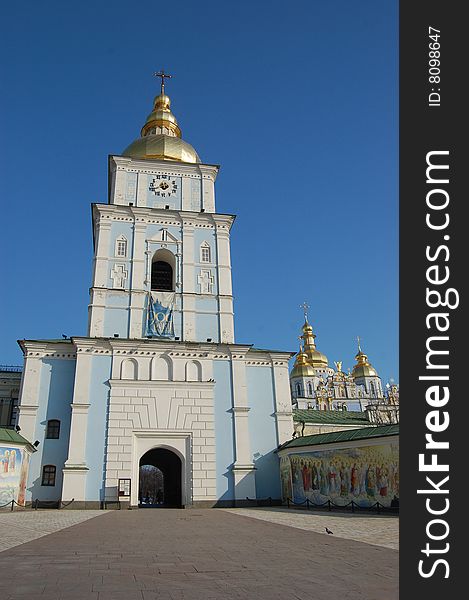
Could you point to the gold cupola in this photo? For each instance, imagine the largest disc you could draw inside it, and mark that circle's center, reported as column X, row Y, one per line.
column 302, row 368
column 160, row 137
column 315, row 358
column 363, row 368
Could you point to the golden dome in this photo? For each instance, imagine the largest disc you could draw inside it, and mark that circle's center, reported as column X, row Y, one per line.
column 302, row 368
column 315, row 358
column 161, row 117
column 161, row 136
column 162, row 147
column 363, row 368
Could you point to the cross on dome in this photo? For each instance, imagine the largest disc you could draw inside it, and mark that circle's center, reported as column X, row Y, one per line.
column 358, row 341
column 163, row 75
column 305, row 308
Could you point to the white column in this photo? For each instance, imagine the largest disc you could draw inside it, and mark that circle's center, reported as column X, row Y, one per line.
column 96, row 313
column 142, row 189
column 243, row 468
column 188, row 284
column 225, row 298
column 137, row 295
column 119, row 186
column 75, row 470
column 282, row 400
column 101, row 261
column 29, row 397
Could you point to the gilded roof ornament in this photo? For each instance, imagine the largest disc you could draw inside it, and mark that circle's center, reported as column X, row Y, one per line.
column 160, row 137
column 163, row 76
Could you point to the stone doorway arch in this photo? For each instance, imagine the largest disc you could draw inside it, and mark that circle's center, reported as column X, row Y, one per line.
column 168, row 492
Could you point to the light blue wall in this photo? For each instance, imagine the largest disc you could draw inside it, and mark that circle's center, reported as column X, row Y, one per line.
column 120, row 228
column 207, row 305
column 224, row 432
column 55, row 396
column 116, row 320
column 206, row 326
column 117, row 299
column 95, row 433
column 204, row 235
column 262, row 431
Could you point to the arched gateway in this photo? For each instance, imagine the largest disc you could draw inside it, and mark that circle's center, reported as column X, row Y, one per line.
column 160, row 479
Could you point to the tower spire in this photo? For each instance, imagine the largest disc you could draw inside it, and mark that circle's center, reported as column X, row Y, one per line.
column 358, row 342
column 305, row 308
column 163, row 76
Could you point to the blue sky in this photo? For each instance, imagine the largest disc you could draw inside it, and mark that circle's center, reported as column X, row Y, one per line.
column 296, row 101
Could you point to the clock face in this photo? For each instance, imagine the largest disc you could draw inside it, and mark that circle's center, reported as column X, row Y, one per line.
column 163, row 186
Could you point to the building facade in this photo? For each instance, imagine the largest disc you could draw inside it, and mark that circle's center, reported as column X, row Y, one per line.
column 159, row 379
column 315, row 386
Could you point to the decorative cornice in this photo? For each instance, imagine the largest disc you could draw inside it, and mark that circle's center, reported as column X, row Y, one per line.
column 154, row 167
column 161, row 383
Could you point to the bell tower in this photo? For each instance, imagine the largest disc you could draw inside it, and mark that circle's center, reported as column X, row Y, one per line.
column 161, row 266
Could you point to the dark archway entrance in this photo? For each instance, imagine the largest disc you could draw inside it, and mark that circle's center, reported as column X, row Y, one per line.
column 160, row 479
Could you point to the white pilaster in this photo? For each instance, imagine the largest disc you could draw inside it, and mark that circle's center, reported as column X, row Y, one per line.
column 243, row 468
column 29, row 395
column 282, row 399
column 75, row 470
column 137, row 294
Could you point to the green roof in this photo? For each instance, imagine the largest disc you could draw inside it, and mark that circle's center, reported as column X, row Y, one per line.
column 333, row 417
column 342, row 436
column 11, row 436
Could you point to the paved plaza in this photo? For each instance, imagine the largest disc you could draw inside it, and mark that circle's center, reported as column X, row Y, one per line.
column 23, row 526
column 190, row 555
column 363, row 527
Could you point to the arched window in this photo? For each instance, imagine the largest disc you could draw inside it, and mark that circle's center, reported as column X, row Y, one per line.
column 205, row 254
column 53, row 429
column 193, row 371
column 48, row 475
column 310, row 389
column 372, row 389
column 161, row 276
column 129, row 369
column 298, row 389
column 161, row 368
column 121, row 246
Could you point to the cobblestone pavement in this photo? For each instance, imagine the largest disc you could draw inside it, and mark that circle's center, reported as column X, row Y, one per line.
column 194, row 555
column 371, row 529
column 23, row 526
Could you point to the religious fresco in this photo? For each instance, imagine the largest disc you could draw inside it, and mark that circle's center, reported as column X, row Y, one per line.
column 13, row 472
column 285, row 477
column 366, row 475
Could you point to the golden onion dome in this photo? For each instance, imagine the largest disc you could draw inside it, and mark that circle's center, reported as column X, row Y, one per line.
column 363, row 368
column 315, row 358
column 160, row 137
column 302, row 368
column 163, row 147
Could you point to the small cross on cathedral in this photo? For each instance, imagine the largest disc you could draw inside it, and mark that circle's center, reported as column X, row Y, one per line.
column 358, row 342
column 163, row 75
column 305, row 308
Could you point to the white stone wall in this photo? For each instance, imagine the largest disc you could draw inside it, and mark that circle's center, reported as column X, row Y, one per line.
column 167, row 408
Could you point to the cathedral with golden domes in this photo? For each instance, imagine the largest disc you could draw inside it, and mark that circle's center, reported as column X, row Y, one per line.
column 317, row 386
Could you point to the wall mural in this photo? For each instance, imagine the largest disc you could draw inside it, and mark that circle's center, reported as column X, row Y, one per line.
column 366, row 475
column 13, row 472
